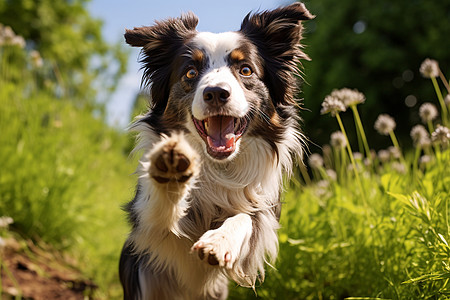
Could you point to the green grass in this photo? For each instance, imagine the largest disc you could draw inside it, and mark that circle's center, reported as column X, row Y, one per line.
column 333, row 245
column 374, row 230
column 64, row 175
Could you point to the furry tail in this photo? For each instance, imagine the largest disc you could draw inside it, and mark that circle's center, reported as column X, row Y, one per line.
column 129, row 273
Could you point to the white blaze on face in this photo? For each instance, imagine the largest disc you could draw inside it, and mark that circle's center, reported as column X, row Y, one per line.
column 217, row 48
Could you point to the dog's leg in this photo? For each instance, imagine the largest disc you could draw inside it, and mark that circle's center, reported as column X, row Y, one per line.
column 168, row 172
column 222, row 246
column 172, row 165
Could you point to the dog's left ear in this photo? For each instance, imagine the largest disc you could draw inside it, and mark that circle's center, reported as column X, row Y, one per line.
column 277, row 35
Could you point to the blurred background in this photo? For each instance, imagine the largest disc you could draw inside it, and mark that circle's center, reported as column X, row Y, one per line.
column 69, row 86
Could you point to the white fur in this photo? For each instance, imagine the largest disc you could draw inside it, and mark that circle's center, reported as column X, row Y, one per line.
column 217, row 48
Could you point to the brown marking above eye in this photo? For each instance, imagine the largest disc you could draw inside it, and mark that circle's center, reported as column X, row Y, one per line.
column 237, row 55
column 198, row 55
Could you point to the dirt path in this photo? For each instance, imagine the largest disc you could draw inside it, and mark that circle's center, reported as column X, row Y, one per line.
column 33, row 273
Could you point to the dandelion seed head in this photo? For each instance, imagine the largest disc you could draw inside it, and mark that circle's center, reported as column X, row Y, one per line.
column 349, row 97
column 322, row 188
column 338, row 140
column 441, row 135
column 428, row 112
column 315, row 161
column 8, row 37
column 331, row 174
column 384, row 124
column 36, row 59
column 420, row 136
column 399, row 167
column 429, row 68
column 5, row 221
column 424, row 160
column 332, row 105
column 358, row 156
column 384, row 155
column 394, row 152
column 18, row 41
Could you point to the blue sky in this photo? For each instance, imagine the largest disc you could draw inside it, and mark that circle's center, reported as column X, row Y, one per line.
column 215, row 16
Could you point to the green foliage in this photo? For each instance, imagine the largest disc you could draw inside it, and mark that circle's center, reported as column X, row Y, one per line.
column 383, row 60
column 335, row 245
column 377, row 228
column 63, row 175
column 70, row 42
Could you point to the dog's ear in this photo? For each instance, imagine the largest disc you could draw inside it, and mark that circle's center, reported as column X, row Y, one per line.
column 160, row 44
column 277, row 35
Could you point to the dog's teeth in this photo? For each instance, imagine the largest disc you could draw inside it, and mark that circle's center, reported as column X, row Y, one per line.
column 205, row 123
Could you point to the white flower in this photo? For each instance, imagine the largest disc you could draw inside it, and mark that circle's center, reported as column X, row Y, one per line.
column 349, row 97
column 384, row 124
column 36, row 59
column 8, row 37
column 384, row 155
column 428, row 112
column 429, row 68
column 420, row 136
column 315, row 161
column 338, row 140
column 331, row 174
column 441, row 135
column 424, row 160
column 332, row 105
column 358, row 156
column 399, row 167
column 5, row 221
column 394, row 152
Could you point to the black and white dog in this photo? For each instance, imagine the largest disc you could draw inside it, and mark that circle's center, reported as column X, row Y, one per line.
column 221, row 134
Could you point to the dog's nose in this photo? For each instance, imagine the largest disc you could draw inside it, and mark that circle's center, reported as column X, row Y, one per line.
column 217, row 95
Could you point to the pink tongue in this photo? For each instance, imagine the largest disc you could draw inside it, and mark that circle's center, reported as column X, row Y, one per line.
column 220, row 131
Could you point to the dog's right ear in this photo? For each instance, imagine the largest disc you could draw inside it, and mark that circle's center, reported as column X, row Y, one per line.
column 160, row 44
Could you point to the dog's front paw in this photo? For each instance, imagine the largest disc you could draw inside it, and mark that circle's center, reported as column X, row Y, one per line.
column 214, row 248
column 173, row 160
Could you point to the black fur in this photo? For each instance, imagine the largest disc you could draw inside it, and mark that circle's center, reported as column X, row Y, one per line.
column 277, row 35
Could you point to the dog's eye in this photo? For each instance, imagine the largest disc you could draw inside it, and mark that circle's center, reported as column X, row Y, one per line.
column 191, row 73
column 246, row 71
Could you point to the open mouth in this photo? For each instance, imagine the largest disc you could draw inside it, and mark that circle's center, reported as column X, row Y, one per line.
column 220, row 134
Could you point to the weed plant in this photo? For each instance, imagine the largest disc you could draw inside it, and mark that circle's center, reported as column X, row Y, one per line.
column 368, row 226
column 63, row 173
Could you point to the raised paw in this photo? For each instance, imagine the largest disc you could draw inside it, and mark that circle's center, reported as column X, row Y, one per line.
column 173, row 160
column 214, row 249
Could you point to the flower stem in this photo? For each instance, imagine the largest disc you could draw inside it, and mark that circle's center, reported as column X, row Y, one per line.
column 441, row 100
column 350, row 153
column 430, row 126
column 305, row 174
column 396, row 145
column 444, row 80
column 361, row 131
column 416, row 161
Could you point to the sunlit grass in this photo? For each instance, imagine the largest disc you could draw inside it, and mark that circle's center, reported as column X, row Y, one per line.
column 64, row 174
column 376, row 229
